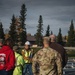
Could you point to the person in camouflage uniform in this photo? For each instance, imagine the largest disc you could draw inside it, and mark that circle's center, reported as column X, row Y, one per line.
column 47, row 61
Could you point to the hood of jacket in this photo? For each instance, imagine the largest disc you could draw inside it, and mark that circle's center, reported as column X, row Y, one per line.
column 5, row 48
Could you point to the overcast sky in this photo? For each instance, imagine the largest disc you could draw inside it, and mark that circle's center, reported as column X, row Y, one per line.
column 56, row 13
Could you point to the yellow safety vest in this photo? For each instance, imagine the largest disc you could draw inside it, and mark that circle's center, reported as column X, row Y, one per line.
column 19, row 64
column 26, row 55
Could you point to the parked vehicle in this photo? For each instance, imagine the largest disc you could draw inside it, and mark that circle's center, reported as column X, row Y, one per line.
column 70, row 65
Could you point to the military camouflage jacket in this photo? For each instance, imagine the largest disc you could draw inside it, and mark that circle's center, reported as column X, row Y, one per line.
column 47, row 62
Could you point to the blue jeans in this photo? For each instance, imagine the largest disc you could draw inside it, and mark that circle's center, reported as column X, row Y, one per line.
column 4, row 72
column 28, row 69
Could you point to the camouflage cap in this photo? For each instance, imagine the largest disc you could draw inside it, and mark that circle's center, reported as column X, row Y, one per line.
column 46, row 39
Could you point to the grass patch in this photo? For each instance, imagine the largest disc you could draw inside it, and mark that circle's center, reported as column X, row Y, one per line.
column 71, row 53
column 35, row 50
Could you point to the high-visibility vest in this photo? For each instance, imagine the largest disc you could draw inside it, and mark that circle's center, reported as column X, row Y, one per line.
column 27, row 56
column 18, row 70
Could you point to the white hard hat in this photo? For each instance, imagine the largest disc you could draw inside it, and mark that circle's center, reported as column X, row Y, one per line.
column 27, row 43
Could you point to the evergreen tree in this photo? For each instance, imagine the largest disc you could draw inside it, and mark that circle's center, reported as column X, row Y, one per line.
column 48, row 31
column 39, row 36
column 12, row 31
column 51, row 32
column 23, row 38
column 59, row 37
column 1, row 31
column 65, row 37
column 71, row 35
column 23, row 25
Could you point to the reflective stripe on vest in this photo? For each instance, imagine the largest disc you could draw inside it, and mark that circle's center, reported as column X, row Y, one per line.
column 27, row 54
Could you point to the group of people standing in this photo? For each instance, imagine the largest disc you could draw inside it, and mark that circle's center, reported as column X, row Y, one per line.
column 50, row 60
column 13, row 63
